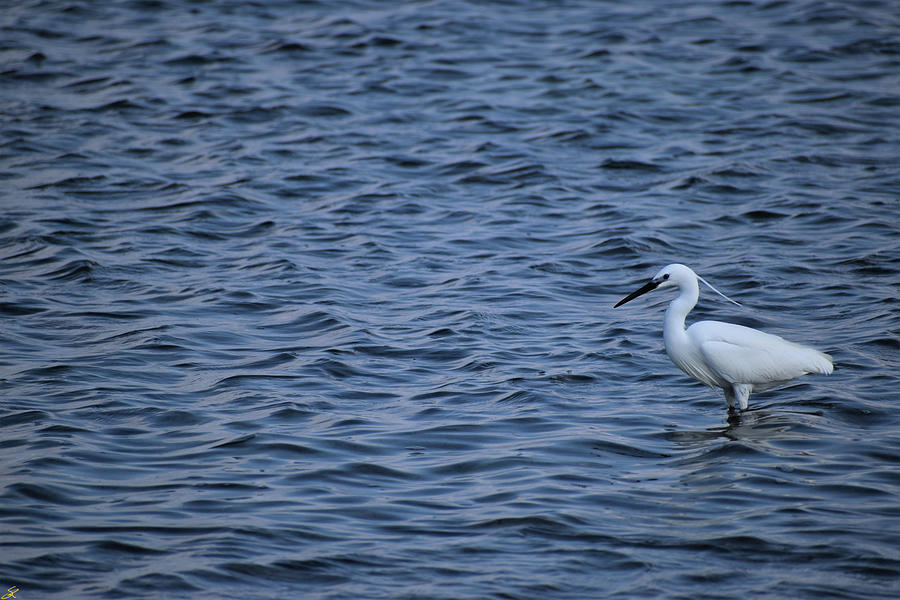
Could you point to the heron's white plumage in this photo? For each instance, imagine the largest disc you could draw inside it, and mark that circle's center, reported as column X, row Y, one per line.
column 744, row 355
column 738, row 359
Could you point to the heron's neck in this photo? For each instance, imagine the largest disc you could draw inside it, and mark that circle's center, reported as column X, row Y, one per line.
column 679, row 309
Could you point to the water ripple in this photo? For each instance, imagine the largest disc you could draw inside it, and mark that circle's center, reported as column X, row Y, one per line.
column 316, row 300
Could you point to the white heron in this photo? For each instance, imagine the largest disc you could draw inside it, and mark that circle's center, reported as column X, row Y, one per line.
column 735, row 358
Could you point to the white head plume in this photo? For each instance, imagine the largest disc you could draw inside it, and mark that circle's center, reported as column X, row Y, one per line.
column 710, row 286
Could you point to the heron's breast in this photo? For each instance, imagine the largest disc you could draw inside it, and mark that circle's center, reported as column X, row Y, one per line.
column 692, row 363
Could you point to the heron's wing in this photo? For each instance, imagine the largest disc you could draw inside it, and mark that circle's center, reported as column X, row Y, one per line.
column 743, row 355
column 740, row 364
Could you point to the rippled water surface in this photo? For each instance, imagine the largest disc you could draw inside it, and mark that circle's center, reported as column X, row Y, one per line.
column 313, row 299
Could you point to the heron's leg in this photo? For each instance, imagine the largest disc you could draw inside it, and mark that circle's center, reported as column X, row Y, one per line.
column 741, row 392
column 729, row 397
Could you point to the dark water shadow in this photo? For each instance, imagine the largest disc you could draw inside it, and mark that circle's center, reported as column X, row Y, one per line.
column 763, row 437
column 752, row 425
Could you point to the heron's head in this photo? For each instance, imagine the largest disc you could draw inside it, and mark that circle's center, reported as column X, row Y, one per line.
column 673, row 274
column 677, row 275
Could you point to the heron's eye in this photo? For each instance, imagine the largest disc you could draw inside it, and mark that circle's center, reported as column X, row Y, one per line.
column 665, row 276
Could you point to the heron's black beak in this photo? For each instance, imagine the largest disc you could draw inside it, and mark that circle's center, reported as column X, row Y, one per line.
column 649, row 287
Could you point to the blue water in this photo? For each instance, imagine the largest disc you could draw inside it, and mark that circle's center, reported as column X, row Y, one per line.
column 313, row 299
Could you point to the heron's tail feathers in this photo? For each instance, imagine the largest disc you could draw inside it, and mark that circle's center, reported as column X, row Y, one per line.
column 819, row 362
